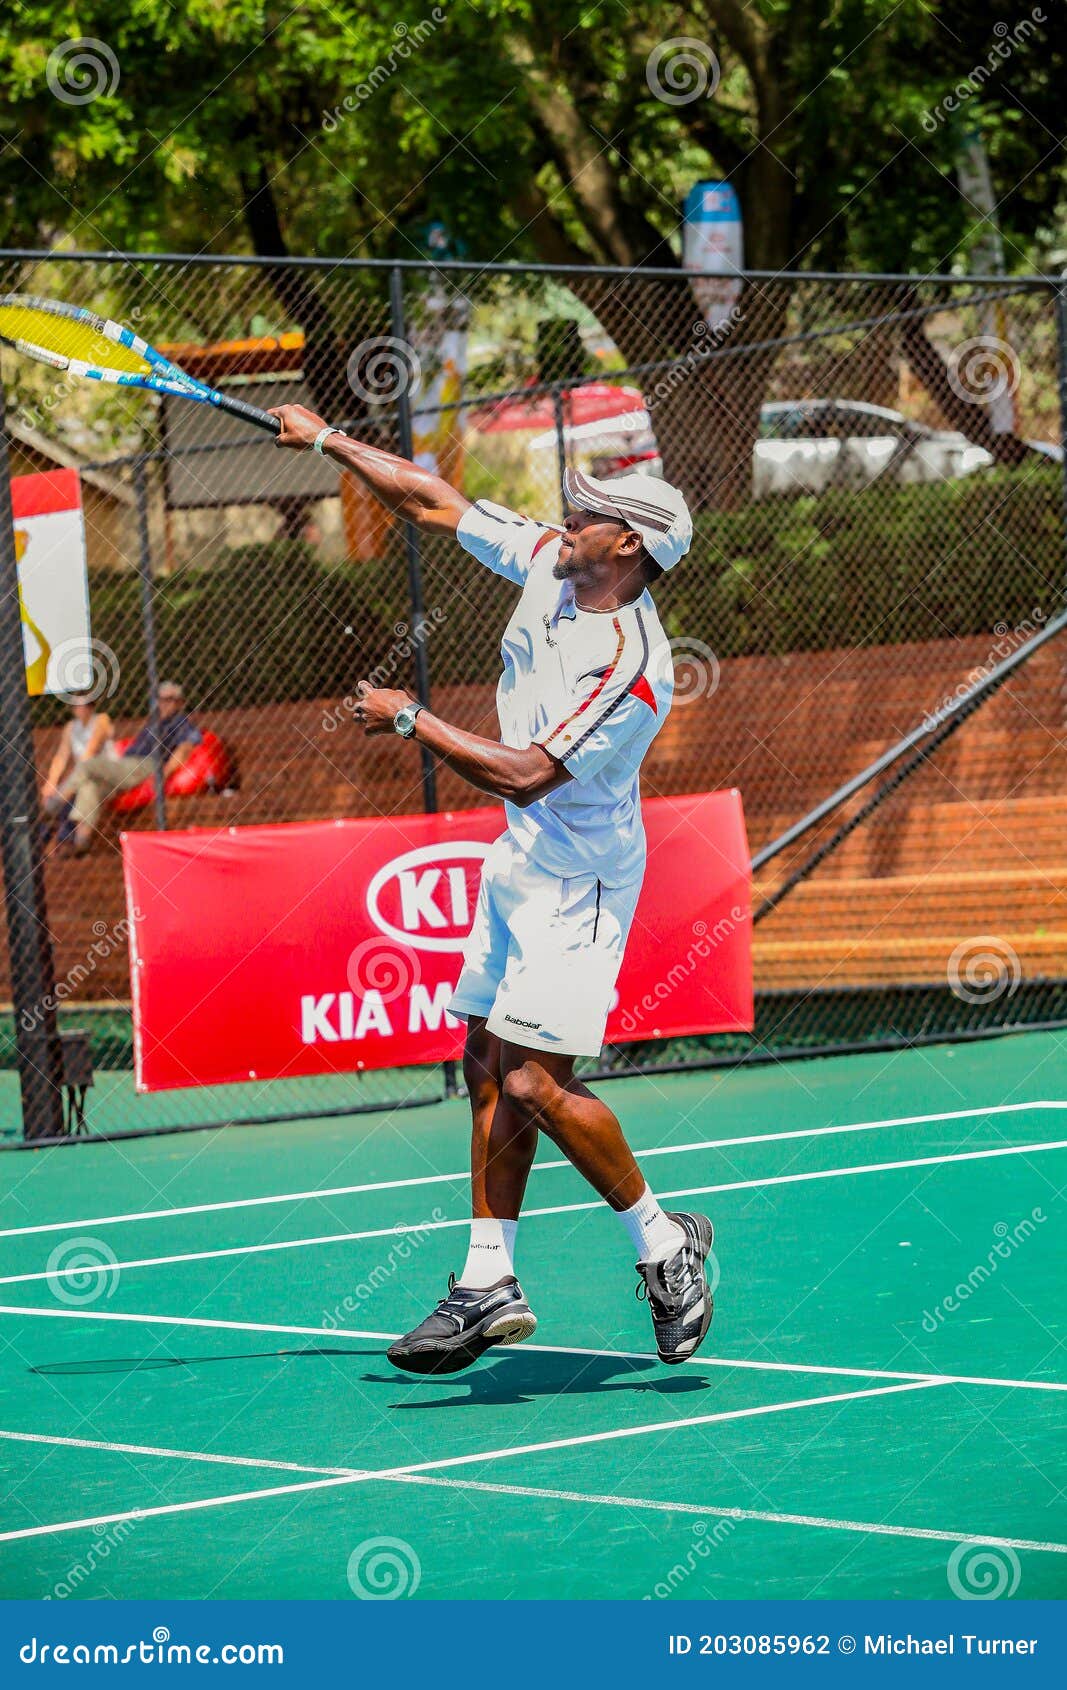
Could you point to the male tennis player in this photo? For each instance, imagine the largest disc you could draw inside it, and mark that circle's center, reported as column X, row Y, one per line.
column 586, row 686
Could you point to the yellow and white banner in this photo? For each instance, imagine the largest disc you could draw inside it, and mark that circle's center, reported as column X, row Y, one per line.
column 53, row 582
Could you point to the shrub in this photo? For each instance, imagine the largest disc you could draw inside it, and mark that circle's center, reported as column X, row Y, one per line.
column 888, row 564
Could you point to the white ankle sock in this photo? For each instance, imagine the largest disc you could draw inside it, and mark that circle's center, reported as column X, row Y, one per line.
column 652, row 1233
column 491, row 1253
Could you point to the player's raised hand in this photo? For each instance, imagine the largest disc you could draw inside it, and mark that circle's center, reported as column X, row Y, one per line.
column 300, row 427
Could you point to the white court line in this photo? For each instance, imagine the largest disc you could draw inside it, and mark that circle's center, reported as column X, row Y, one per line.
column 507, row 1353
column 861, row 1168
column 706, row 1511
column 169, row 1454
column 463, row 1175
column 475, row 1457
column 645, row 1504
column 401, row 1230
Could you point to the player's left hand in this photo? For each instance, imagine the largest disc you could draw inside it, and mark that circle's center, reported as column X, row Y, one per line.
column 378, row 706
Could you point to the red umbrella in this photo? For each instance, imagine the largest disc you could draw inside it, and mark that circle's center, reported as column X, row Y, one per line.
column 594, row 401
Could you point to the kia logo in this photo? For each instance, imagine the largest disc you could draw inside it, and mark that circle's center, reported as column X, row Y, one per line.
column 425, row 898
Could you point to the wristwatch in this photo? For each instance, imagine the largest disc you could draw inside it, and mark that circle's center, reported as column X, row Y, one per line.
column 404, row 720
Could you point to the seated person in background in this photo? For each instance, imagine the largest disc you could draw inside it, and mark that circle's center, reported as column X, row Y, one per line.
column 87, row 734
column 99, row 778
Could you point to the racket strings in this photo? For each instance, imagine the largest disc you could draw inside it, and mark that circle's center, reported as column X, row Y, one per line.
column 61, row 340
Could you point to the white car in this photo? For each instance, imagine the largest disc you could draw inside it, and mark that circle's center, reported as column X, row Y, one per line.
column 809, row 445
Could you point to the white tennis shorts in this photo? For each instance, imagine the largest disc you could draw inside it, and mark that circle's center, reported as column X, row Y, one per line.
column 544, row 953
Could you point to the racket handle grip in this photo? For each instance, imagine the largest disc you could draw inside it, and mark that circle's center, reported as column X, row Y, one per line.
column 250, row 413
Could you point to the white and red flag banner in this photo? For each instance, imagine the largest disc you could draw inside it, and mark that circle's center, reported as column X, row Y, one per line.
column 53, row 582
column 262, row 953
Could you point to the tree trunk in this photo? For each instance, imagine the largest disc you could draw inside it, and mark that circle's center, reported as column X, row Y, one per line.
column 327, row 345
column 969, row 415
column 704, row 392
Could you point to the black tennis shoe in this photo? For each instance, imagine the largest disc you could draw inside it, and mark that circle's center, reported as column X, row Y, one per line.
column 678, row 1293
column 463, row 1326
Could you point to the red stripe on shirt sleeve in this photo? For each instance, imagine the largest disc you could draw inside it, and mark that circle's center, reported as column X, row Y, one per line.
column 643, row 691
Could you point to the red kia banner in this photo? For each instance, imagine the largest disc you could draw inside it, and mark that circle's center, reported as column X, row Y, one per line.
column 328, row 947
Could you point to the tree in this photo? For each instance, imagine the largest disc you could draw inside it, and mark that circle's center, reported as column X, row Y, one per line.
column 539, row 128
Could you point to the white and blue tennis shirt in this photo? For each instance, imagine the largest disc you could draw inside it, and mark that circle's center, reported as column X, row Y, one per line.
column 593, row 687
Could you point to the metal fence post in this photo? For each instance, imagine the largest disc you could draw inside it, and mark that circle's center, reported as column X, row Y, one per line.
column 1060, row 306
column 412, row 545
column 148, row 626
column 561, row 446
column 413, row 549
column 33, row 978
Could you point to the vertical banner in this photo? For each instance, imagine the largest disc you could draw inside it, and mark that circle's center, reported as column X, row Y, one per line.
column 332, row 947
column 441, row 344
column 713, row 239
column 438, row 330
column 53, row 581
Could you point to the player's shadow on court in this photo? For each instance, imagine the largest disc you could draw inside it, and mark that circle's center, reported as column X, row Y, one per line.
column 149, row 1364
column 508, row 1378
column 519, row 1377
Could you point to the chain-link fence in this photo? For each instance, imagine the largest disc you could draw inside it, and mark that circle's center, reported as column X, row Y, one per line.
column 876, row 470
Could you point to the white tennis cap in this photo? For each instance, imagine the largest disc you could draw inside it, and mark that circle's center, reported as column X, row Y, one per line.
column 655, row 509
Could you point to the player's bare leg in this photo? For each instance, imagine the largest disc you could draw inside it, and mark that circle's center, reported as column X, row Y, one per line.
column 503, row 1140
column 540, row 1088
column 516, row 1093
column 485, row 1304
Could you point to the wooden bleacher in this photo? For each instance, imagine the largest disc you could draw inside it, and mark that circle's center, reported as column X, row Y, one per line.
column 974, row 845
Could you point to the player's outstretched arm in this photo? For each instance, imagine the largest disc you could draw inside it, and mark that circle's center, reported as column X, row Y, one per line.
column 402, row 487
column 518, row 776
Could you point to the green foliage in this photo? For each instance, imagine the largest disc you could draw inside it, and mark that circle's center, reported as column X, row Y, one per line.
column 269, row 624
column 846, row 569
column 367, row 123
column 852, row 569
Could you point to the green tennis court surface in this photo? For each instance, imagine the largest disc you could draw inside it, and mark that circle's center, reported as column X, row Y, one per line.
column 204, row 1408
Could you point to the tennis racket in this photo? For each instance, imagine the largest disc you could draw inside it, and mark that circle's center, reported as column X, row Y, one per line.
column 70, row 338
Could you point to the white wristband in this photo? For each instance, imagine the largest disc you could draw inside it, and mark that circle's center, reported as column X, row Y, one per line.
column 321, row 438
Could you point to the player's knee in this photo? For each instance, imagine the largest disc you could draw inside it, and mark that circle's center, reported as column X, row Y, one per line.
column 528, row 1088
